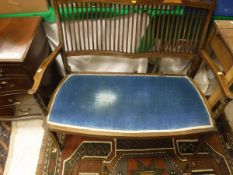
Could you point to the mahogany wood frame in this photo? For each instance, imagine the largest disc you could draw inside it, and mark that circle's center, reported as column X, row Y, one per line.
column 200, row 52
column 196, row 55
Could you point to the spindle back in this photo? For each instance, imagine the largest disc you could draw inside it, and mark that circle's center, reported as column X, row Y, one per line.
column 137, row 28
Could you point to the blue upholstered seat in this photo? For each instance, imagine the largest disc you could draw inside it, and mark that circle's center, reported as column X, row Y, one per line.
column 129, row 103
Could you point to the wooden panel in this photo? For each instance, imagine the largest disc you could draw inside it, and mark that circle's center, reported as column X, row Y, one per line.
column 222, row 52
column 7, row 70
column 22, row 111
column 14, row 84
column 225, row 29
column 227, row 35
column 38, row 51
column 217, row 93
column 15, row 99
column 18, row 37
column 224, row 24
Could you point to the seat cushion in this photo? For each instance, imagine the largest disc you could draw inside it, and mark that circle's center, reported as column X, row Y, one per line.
column 128, row 104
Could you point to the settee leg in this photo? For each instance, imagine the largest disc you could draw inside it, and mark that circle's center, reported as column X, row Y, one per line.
column 55, row 139
column 201, row 143
column 208, row 138
column 194, row 67
column 179, row 156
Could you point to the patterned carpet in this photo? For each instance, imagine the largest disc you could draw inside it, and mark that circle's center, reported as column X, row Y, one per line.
column 5, row 131
column 140, row 157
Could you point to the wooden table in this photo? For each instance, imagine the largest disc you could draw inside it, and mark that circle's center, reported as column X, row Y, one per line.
column 220, row 43
column 23, row 46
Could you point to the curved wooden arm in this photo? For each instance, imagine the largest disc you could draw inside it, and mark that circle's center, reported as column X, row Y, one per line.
column 218, row 74
column 40, row 71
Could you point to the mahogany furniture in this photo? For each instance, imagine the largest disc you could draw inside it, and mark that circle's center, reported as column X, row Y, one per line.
column 23, row 46
column 115, row 106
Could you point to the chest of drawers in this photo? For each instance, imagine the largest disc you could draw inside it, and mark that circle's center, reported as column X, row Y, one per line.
column 23, row 46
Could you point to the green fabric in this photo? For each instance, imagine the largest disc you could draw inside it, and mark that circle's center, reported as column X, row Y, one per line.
column 223, row 17
column 89, row 13
column 48, row 16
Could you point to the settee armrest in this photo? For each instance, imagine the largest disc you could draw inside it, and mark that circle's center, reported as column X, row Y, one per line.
column 42, row 68
column 220, row 75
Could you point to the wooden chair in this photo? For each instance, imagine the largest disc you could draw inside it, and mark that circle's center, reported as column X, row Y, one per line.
column 218, row 46
column 131, row 105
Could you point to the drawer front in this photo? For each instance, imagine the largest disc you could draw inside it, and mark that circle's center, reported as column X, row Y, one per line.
column 14, row 84
column 14, row 99
column 18, row 111
column 7, row 70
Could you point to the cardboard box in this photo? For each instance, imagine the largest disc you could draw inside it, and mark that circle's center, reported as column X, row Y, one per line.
column 23, row 6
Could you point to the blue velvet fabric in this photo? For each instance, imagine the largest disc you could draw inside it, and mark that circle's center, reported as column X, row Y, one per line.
column 129, row 103
column 224, row 8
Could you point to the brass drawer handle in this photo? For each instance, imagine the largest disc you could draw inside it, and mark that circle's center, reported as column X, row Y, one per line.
column 6, row 83
column 24, row 111
column 14, row 102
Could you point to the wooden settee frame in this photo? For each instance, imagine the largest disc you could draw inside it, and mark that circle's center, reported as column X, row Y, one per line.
column 174, row 28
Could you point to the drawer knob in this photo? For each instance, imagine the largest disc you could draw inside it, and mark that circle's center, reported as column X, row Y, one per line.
column 14, row 102
column 24, row 111
column 6, row 83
